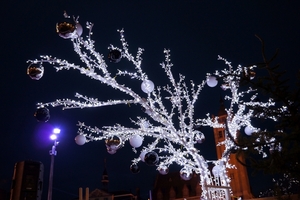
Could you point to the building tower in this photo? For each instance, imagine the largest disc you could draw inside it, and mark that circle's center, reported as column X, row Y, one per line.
column 239, row 176
column 105, row 180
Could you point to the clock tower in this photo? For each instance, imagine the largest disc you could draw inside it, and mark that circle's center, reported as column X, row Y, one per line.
column 239, row 176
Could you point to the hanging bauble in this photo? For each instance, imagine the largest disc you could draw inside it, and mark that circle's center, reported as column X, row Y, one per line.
column 151, row 158
column 248, row 130
column 136, row 141
column 35, row 71
column 134, row 168
column 147, row 86
column 67, row 30
column 249, row 74
column 217, row 170
column 114, row 56
column 112, row 145
column 42, row 114
column 79, row 29
column 80, row 139
column 199, row 137
column 163, row 170
column 142, row 155
column 185, row 174
column 211, row 81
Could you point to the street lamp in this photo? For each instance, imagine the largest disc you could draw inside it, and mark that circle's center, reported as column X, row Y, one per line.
column 52, row 153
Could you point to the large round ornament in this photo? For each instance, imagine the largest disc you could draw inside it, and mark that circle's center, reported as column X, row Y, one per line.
column 151, row 158
column 185, row 174
column 136, row 141
column 147, row 86
column 35, row 71
column 134, row 168
column 211, row 81
column 80, row 139
column 114, row 56
column 42, row 114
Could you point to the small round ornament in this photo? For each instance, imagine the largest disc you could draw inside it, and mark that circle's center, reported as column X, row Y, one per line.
column 79, row 29
column 80, row 139
column 112, row 145
column 35, row 71
column 42, row 114
column 142, row 155
column 136, row 141
column 147, row 86
column 163, row 170
column 134, row 168
column 185, row 174
column 211, row 81
column 199, row 137
column 248, row 130
column 115, row 56
column 68, row 29
column 151, row 158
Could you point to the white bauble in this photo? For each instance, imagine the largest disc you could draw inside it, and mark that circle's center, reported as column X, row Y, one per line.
column 211, row 81
column 147, row 86
column 80, row 139
column 185, row 174
column 248, row 130
column 136, row 141
column 79, row 29
column 163, row 170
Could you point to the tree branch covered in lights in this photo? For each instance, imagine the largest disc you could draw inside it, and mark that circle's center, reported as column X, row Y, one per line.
column 169, row 109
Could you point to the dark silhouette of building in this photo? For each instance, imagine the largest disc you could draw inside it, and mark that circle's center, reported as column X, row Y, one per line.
column 27, row 181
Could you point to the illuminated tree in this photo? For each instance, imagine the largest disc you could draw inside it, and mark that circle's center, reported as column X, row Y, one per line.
column 170, row 109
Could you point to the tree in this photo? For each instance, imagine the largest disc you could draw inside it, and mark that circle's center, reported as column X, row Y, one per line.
column 169, row 109
column 279, row 144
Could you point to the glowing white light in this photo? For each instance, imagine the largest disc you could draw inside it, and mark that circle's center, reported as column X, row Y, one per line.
column 53, row 137
column 56, row 131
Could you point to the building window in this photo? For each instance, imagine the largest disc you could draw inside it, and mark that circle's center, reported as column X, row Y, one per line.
column 231, row 176
column 220, row 133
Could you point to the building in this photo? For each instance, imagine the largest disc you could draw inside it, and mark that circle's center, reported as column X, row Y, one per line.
column 171, row 187
column 104, row 193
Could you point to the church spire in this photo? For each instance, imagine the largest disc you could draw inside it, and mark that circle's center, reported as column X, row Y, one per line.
column 105, row 180
column 222, row 110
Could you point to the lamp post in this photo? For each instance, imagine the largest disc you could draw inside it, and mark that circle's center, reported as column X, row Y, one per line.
column 52, row 153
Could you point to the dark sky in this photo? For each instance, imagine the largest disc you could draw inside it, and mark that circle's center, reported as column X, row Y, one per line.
column 196, row 32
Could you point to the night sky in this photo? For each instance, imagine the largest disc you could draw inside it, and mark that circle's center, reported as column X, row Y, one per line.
column 196, row 32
